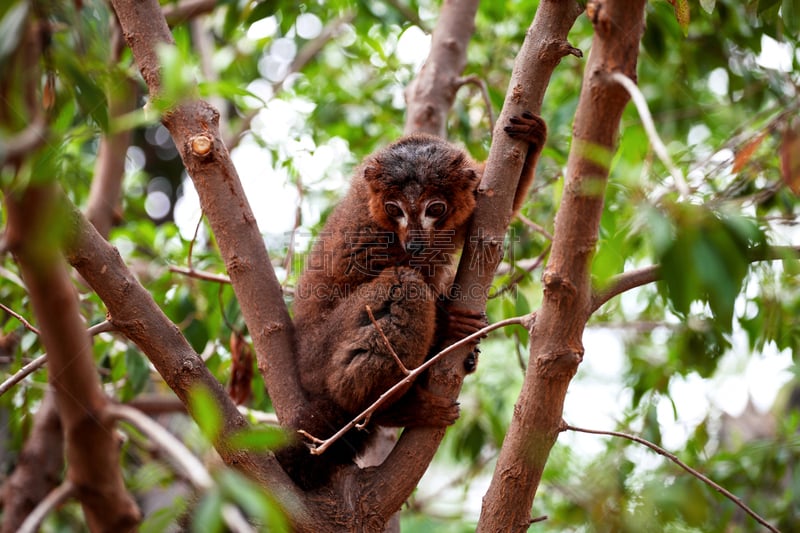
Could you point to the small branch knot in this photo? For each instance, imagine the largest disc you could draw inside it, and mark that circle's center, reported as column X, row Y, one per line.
column 201, row 144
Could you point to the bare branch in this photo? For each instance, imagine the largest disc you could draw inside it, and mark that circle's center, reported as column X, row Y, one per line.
column 22, row 373
column 40, row 361
column 199, row 274
column 388, row 344
column 649, row 126
column 29, row 139
column 661, row 451
column 480, row 83
column 323, row 445
column 188, row 464
column 181, row 455
column 179, row 12
column 28, row 325
column 56, row 497
column 534, row 226
column 625, row 282
column 556, row 348
column 226, row 208
column 431, row 94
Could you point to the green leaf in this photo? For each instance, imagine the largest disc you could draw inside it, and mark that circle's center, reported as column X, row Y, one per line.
column 708, row 5
column 208, row 514
column 137, row 369
column 790, row 13
column 205, row 412
column 260, row 439
column 254, row 500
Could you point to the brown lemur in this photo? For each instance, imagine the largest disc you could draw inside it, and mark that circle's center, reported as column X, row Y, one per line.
column 388, row 246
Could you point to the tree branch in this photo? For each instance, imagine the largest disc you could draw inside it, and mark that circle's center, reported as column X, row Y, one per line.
column 40, row 361
column 133, row 312
column 430, row 95
column 39, row 468
column 661, row 451
column 50, row 502
column 91, row 449
column 194, row 128
column 556, row 348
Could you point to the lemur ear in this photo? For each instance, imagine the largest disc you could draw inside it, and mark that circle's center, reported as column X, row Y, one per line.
column 372, row 173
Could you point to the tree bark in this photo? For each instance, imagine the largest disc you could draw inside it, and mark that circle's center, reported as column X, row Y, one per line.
column 35, row 225
column 194, row 126
column 39, row 468
column 556, row 347
column 431, row 94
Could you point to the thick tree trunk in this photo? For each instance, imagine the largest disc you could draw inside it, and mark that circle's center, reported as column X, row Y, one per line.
column 556, row 339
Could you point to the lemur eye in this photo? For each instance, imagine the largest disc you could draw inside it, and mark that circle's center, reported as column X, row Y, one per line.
column 393, row 210
column 436, row 210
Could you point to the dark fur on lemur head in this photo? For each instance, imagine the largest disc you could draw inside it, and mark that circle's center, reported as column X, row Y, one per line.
column 387, row 245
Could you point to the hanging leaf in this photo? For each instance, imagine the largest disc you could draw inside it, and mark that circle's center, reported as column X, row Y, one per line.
column 708, row 5
column 682, row 14
column 790, row 159
column 241, row 369
column 746, row 153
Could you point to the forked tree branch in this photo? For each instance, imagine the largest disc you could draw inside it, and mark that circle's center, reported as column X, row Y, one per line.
column 194, row 128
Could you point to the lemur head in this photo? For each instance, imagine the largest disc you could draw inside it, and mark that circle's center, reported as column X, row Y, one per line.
column 422, row 189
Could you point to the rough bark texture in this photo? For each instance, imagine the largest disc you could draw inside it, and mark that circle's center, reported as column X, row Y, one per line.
column 135, row 314
column 227, row 209
column 556, row 346
column 544, row 47
column 92, row 451
column 39, row 468
column 431, row 94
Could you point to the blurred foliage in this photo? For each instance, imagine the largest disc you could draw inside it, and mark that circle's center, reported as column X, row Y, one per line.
column 721, row 80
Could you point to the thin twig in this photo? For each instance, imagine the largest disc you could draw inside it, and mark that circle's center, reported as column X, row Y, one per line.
column 199, row 274
column 322, row 445
column 516, row 278
column 661, row 451
column 649, row 126
column 194, row 239
column 22, row 373
column 481, row 84
column 298, row 221
column 534, row 226
column 625, row 282
column 27, row 140
column 388, row 344
column 19, row 317
column 39, row 362
column 55, row 498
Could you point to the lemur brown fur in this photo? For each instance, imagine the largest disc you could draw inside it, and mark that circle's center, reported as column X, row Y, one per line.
column 388, row 245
